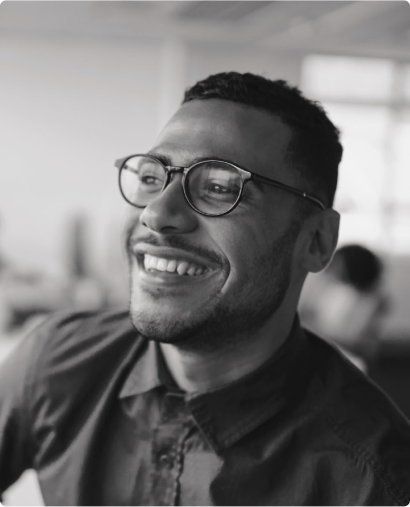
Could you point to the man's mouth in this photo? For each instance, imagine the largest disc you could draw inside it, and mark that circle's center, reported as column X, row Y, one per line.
column 153, row 263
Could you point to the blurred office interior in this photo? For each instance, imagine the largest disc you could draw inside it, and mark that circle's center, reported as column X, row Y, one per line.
column 84, row 83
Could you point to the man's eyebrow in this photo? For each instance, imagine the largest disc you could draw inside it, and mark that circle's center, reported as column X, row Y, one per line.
column 162, row 158
column 166, row 160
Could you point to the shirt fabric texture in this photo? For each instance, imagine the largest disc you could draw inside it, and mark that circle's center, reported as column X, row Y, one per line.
column 90, row 405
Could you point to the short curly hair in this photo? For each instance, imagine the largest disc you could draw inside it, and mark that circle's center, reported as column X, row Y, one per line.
column 315, row 150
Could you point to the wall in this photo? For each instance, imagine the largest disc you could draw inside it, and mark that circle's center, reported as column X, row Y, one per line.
column 71, row 106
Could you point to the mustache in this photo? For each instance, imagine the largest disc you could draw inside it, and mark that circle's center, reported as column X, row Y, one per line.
column 175, row 241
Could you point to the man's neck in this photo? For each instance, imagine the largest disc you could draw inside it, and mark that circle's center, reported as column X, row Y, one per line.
column 199, row 371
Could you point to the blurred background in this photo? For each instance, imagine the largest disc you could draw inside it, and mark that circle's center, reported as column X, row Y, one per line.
column 85, row 83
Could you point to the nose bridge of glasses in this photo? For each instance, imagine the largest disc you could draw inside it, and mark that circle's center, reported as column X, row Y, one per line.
column 174, row 169
column 169, row 171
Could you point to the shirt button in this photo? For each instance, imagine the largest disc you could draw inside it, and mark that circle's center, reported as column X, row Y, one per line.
column 165, row 461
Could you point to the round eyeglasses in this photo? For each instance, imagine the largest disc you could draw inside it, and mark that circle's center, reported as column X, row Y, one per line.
column 211, row 187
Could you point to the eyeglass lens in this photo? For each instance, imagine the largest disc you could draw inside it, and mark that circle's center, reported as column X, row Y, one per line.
column 211, row 187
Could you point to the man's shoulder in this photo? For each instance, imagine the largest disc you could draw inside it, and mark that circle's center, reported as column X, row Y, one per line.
column 360, row 418
column 345, row 389
column 66, row 370
column 68, row 332
column 70, row 345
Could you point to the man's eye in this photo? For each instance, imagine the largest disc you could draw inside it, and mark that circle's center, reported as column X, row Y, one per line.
column 150, row 180
column 219, row 189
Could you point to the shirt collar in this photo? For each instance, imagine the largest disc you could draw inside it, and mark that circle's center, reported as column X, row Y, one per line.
column 144, row 375
column 228, row 413
column 149, row 372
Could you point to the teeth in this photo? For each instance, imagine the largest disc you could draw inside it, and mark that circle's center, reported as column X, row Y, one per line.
column 162, row 265
column 191, row 271
column 172, row 266
column 181, row 267
column 146, row 261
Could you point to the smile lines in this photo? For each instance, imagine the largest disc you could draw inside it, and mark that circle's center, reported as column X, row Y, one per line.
column 152, row 263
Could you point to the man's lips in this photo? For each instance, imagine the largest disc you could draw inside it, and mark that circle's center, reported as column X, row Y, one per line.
column 174, row 266
column 167, row 261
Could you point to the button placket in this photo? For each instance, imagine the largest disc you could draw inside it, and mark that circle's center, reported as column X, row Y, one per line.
column 168, row 451
column 165, row 461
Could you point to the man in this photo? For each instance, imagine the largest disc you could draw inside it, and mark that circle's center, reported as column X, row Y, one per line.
column 214, row 394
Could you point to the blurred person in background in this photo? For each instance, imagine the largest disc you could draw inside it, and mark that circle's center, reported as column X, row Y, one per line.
column 207, row 391
column 347, row 304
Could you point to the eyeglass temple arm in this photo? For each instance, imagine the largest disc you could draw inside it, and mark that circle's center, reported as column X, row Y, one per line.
column 277, row 184
column 120, row 162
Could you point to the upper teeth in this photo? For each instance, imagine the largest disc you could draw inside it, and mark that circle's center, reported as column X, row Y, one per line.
column 181, row 267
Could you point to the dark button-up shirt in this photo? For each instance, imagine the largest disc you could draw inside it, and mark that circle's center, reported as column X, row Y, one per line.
column 90, row 405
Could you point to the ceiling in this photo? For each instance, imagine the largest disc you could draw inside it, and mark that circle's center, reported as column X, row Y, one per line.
column 369, row 28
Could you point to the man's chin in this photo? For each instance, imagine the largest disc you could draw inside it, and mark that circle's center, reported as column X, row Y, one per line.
column 163, row 330
column 219, row 327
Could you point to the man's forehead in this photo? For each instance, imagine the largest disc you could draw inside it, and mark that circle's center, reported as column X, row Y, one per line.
column 199, row 114
column 230, row 130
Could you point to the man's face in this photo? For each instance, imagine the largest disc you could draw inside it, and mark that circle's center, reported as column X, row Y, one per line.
column 202, row 281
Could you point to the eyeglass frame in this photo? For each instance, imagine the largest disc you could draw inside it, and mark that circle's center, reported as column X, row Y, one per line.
column 245, row 175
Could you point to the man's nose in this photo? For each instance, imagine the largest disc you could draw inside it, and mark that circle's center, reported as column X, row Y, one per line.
column 169, row 212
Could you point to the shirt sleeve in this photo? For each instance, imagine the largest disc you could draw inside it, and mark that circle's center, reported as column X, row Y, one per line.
column 17, row 384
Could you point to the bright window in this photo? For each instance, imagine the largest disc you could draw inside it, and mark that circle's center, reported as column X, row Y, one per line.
column 348, row 78
column 401, row 162
column 369, row 100
column 407, row 82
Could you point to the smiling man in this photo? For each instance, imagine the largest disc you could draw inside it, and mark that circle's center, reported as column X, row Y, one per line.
column 208, row 391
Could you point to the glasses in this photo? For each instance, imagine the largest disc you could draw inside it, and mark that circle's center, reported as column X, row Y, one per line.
column 211, row 187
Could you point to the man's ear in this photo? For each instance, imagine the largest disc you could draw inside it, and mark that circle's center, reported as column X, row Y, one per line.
column 321, row 240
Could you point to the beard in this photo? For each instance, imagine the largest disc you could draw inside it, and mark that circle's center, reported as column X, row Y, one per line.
column 227, row 320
